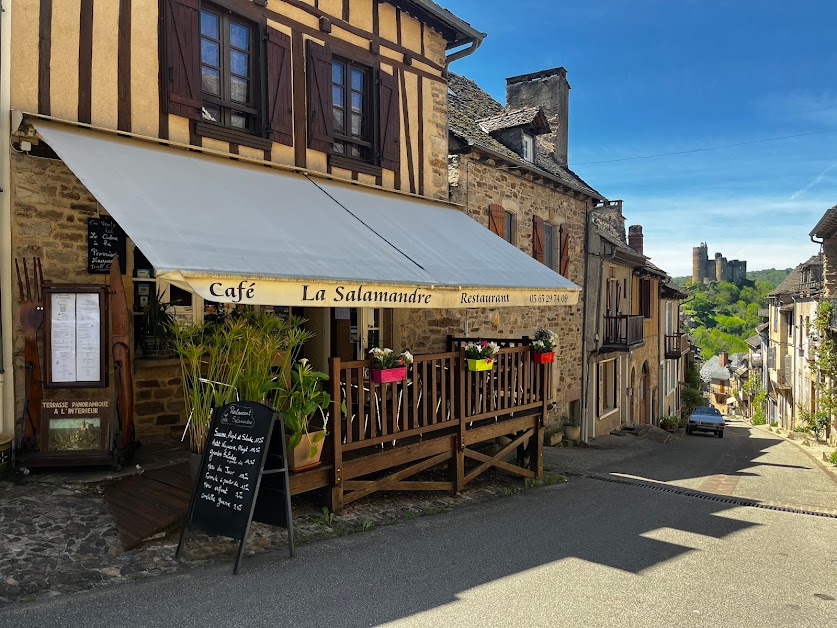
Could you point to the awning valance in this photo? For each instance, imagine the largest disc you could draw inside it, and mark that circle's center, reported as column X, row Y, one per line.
column 242, row 233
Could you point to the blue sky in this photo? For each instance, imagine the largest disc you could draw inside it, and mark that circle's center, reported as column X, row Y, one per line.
column 661, row 76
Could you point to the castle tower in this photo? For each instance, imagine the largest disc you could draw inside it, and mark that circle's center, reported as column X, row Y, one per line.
column 699, row 262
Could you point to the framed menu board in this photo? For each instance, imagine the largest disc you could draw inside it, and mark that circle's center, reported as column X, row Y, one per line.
column 75, row 324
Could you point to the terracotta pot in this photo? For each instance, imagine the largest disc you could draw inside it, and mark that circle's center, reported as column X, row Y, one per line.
column 385, row 376
column 300, row 456
column 481, row 365
column 544, row 358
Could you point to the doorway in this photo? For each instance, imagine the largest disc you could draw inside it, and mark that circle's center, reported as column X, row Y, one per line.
column 356, row 330
column 644, row 394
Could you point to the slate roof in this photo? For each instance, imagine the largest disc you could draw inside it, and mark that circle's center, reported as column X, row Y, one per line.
column 827, row 225
column 510, row 118
column 789, row 284
column 754, row 341
column 468, row 102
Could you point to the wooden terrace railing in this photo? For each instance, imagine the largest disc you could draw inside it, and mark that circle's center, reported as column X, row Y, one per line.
column 623, row 330
column 382, row 434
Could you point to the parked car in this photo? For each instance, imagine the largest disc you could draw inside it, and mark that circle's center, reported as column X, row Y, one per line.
column 706, row 419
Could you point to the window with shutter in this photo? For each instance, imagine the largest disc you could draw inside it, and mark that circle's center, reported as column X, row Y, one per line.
column 320, row 110
column 537, row 238
column 564, row 252
column 549, row 245
column 279, row 93
column 509, row 228
column 181, row 79
column 497, row 220
column 352, row 106
column 390, row 129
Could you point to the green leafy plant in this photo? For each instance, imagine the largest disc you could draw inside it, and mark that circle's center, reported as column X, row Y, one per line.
column 544, row 340
column 758, row 418
column 669, row 422
column 383, row 358
column 156, row 326
column 298, row 395
column 833, row 458
column 774, row 424
column 328, row 516
column 568, row 421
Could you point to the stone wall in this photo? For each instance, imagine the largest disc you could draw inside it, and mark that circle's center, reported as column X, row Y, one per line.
column 829, row 267
column 50, row 208
column 476, row 184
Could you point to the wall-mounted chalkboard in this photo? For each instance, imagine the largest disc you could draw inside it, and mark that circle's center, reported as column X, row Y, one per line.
column 246, row 441
column 105, row 239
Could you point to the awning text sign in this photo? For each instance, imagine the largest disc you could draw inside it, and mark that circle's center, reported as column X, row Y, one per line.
column 310, row 293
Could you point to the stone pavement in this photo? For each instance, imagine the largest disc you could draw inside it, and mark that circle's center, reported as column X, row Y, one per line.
column 57, row 535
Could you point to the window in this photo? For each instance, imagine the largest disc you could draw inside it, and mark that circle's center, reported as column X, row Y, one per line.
column 549, row 245
column 607, row 387
column 352, row 107
column 528, row 147
column 509, row 227
column 645, row 301
column 227, row 57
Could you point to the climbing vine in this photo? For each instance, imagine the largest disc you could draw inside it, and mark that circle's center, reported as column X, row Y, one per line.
column 825, row 365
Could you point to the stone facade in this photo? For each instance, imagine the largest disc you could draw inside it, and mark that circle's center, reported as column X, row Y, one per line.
column 50, row 208
column 475, row 184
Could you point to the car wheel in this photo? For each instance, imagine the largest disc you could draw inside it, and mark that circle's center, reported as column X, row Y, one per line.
column 721, row 434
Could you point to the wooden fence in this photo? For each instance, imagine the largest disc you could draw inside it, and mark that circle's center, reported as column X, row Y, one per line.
column 380, row 435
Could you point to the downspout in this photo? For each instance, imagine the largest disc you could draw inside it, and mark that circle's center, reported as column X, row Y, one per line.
column 7, row 408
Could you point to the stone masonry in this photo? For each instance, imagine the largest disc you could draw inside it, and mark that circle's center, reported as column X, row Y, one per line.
column 49, row 220
column 476, row 184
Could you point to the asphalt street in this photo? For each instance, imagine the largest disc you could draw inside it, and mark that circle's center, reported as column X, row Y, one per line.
column 585, row 553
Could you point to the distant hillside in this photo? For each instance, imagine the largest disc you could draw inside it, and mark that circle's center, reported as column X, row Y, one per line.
column 771, row 275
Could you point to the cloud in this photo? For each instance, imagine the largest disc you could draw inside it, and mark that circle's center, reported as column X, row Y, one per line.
column 814, row 182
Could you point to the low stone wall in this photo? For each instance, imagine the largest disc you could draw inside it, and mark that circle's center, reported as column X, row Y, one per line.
column 159, row 408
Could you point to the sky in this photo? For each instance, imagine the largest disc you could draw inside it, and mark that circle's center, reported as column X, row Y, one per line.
column 663, row 76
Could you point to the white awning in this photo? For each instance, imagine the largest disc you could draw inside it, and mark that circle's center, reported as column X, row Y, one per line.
column 243, row 233
column 731, row 401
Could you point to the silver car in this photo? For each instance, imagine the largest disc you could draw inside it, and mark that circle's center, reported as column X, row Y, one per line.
column 706, row 419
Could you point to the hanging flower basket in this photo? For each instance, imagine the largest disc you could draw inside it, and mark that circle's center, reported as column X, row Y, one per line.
column 544, row 358
column 385, row 376
column 481, row 365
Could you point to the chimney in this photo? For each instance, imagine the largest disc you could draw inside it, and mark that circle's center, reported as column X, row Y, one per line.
column 635, row 238
column 723, row 357
column 549, row 90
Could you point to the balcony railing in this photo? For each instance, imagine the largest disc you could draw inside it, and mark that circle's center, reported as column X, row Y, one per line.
column 809, row 286
column 623, row 330
column 676, row 345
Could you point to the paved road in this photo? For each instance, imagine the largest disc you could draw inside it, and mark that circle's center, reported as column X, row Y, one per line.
column 586, row 553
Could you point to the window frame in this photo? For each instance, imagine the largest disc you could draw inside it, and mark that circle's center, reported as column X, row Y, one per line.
column 608, row 387
column 370, row 113
column 528, row 142
column 510, row 227
column 549, row 244
column 254, row 108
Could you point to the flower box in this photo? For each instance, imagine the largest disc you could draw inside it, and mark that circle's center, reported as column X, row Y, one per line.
column 544, row 358
column 481, row 365
column 385, row 376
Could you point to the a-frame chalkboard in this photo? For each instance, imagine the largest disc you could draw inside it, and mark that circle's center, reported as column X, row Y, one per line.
column 243, row 476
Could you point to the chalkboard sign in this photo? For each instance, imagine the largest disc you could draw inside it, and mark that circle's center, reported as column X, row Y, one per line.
column 241, row 440
column 105, row 239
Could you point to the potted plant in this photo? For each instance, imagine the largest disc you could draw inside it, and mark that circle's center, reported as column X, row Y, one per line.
column 480, row 355
column 303, row 403
column 543, row 345
column 669, row 423
column 389, row 366
column 156, row 327
column 572, row 429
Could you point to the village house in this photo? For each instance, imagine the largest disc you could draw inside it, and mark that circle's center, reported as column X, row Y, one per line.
column 508, row 170
column 793, row 308
column 291, row 156
column 633, row 342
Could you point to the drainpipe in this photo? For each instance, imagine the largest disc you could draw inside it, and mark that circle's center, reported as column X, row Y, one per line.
column 464, row 52
column 7, row 408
